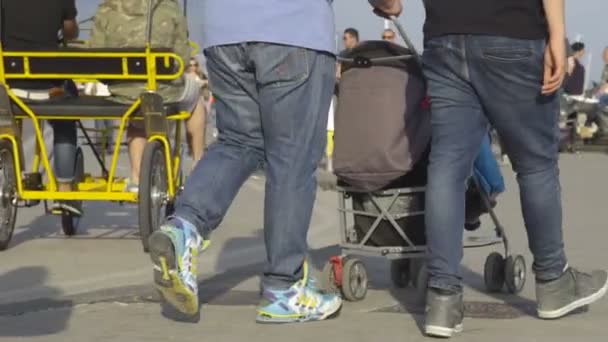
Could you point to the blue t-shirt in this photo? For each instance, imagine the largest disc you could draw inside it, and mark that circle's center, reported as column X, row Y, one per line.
column 302, row 23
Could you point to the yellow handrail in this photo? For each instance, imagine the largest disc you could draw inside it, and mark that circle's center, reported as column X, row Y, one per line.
column 150, row 56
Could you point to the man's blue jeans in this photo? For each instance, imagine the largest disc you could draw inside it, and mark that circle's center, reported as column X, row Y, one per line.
column 475, row 81
column 272, row 104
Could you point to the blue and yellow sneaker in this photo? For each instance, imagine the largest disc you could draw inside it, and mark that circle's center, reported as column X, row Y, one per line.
column 174, row 250
column 302, row 302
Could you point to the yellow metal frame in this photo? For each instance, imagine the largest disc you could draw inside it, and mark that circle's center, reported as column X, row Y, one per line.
column 151, row 57
column 92, row 188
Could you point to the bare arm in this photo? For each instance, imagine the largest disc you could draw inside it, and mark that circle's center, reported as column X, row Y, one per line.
column 556, row 64
column 555, row 14
column 70, row 29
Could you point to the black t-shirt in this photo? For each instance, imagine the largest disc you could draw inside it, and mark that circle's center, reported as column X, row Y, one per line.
column 34, row 25
column 521, row 19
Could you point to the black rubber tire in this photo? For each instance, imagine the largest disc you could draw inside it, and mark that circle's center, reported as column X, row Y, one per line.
column 328, row 278
column 8, row 191
column 354, row 280
column 494, row 272
column 515, row 273
column 69, row 222
column 152, row 191
column 400, row 273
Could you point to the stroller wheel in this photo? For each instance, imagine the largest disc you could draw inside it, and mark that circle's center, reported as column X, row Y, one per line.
column 400, row 272
column 354, row 280
column 515, row 273
column 494, row 272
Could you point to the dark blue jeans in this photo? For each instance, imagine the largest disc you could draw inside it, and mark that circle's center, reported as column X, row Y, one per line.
column 475, row 81
column 272, row 103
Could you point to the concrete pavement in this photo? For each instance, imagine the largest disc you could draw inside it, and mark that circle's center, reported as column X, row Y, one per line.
column 96, row 286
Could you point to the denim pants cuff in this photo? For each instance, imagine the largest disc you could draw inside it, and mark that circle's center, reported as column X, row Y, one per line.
column 550, row 275
column 64, row 179
column 270, row 283
column 193, row 221
column 440, row 284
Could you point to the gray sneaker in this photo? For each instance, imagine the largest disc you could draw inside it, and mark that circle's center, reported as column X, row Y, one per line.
column 569, row 292
column 444, row 313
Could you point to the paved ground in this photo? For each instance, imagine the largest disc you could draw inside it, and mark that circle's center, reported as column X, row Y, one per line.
column 96, row 286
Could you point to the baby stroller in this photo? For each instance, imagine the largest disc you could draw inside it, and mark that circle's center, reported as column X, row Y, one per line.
column 381, row 141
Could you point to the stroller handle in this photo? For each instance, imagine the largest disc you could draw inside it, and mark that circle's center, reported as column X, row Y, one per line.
column 405, row 38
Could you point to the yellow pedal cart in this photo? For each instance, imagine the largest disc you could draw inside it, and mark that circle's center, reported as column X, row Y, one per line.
column 161, row 174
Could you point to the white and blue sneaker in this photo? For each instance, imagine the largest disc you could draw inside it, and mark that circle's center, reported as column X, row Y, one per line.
column 302, row 302
column 174, row 250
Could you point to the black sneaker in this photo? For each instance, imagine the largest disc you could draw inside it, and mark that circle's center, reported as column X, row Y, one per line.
column 444, row 313
column 569, row 292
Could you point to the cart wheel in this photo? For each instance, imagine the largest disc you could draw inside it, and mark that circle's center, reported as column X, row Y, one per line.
column 8, row 190
column 354, row 280
column 69, row 222
column 328, row 280
column 152, row 191
column 515, row 273
column 400, row 272
column 421, row 283
column 494, row 272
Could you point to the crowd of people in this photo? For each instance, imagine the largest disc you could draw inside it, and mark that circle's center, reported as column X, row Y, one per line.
column 273, row 89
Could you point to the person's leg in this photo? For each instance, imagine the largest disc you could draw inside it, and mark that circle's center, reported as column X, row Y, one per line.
column 458, row 128
column 196, row 129
column 295, row 89
column 64, row 156
column 508, row 74
column 136, row 140
column 214, row 182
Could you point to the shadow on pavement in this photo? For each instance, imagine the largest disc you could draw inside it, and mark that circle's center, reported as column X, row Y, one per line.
column 32, row 277
column 101, row 221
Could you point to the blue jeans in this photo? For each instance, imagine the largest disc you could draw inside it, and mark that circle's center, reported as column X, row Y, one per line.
column 475, row 81
column 272, row 103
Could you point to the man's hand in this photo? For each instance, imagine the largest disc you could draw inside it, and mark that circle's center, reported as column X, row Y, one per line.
column 555, row 66
column 387, row 8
